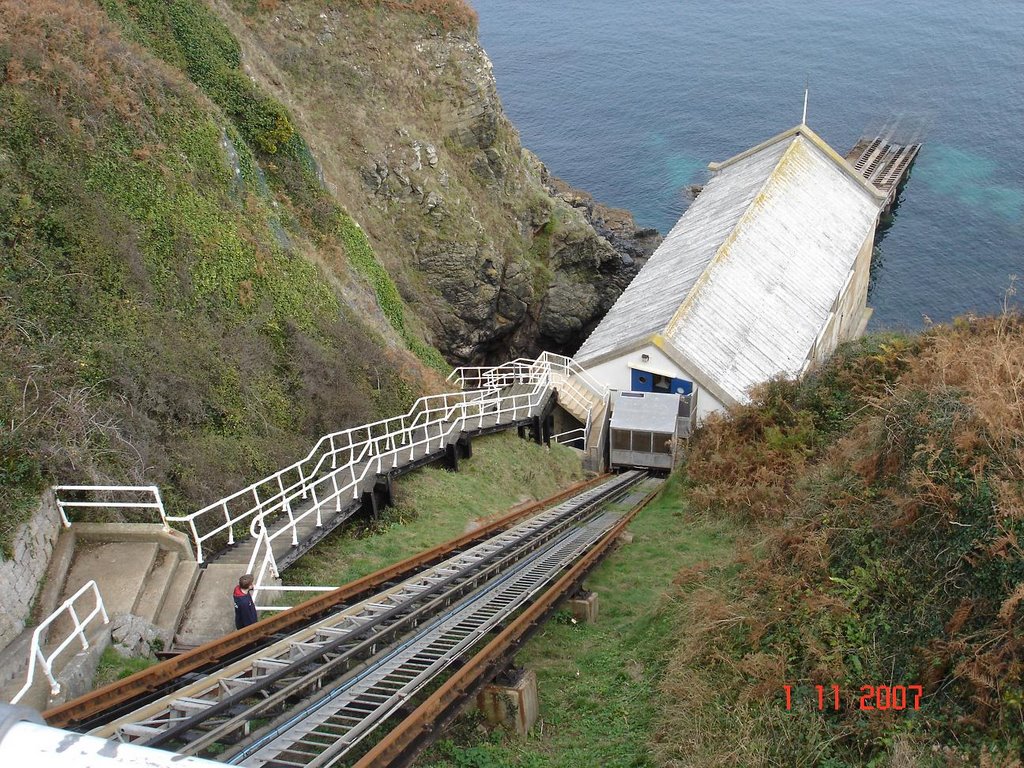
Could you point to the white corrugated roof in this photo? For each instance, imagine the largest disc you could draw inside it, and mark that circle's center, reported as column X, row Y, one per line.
column 745, row 281
column 654, row 295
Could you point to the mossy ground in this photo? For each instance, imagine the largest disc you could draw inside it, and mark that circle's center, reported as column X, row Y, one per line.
column 113, row 667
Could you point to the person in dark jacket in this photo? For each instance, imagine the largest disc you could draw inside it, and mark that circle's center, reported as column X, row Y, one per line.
column 245, row 608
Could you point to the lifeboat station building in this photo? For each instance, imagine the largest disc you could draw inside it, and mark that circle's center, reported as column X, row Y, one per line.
column 764, row 275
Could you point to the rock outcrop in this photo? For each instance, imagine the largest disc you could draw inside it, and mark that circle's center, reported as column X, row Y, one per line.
column 497, row 257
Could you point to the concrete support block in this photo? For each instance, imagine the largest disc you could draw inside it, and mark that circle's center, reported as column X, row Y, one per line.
column 625, row 537
column 513, row 705
column 584, row 607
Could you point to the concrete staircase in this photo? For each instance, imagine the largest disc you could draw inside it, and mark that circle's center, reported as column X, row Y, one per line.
column 582, row 402
column 141, row 570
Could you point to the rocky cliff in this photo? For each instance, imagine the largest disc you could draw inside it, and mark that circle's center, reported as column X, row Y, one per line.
column 232, row 226
column 496, row 257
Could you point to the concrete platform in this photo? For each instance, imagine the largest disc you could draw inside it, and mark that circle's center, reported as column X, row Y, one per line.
column 120, row 569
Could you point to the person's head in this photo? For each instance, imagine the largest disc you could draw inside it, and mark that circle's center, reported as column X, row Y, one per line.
column 246, row 581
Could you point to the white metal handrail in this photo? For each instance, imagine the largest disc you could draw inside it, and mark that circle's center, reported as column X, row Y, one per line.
column 563, row 373
column 36, row 654
column 570, row 436
column 264, row 554
column 133, row 491
column 276, row 493
column 319, row 473
column 568, row 366
column 344, row 480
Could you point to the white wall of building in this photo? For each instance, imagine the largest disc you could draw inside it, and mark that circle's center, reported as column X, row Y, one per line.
column 615, row 374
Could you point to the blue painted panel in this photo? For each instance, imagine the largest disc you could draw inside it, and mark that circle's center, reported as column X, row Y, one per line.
column 641, row 381
column 682, row 386
column 645, row 381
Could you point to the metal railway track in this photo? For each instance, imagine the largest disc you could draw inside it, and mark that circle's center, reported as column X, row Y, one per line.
column 219, row 710
column 324, row 733
column 113, row 700
column 414, row 732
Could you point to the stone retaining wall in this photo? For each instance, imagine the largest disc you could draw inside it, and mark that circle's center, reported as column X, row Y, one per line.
column 20, row 577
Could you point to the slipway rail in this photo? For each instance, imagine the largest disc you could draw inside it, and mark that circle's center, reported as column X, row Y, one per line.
column 215, row 710
column 417, row 731
column 885, row 160
column 314, row 698
column 104, row 703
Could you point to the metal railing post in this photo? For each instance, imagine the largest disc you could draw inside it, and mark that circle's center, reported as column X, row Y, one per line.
column 231, row 524
column 160, row 507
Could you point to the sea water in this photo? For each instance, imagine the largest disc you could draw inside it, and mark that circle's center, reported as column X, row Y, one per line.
column 632, row 100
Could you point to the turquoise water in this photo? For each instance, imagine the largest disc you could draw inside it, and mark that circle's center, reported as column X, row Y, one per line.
column 631, row 101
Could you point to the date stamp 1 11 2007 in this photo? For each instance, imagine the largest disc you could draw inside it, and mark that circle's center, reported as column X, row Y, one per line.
column 872, row 698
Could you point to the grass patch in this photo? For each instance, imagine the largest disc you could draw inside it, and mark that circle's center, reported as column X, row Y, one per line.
column 113, row 666
column 598, row 683
column 434, row 505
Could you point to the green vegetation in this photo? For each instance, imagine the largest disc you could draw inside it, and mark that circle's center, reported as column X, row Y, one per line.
column 189, row 36
column 360, row 255
column 434, row 505
column 113, row 666
column 165, row 313
column 598, row 684
column 887, row 492
column 859, row 528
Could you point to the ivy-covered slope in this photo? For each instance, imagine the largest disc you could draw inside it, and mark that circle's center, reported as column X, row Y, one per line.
column 180, row 299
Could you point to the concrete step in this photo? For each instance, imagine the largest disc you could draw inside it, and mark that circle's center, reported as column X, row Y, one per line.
column 239, row 555
column 119, row 570
column 211, row 611
column 180, row 589
column 14, row 661
column 153, row 594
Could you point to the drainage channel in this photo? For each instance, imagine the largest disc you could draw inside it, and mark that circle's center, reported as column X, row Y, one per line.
column 217, row 710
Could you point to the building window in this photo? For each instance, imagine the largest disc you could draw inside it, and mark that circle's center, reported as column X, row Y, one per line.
column 662, row 443
column 642, row 442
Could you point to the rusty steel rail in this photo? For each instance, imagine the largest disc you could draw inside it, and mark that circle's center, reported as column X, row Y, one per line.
column 401, row 745
column 153, row 678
